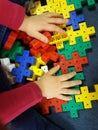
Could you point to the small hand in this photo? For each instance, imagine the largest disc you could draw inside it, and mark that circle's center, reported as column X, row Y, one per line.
column 56, row 86
column 34, row 25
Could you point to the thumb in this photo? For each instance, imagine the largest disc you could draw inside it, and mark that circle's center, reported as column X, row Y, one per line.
column 53, row 70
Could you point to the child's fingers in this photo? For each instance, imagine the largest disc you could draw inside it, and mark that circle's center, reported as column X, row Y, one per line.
column 58, row 21
column 40, row 37
column 69, row 91
column 66, row 98
column 67, row 76
column 53, row 70
column 50, row 14
column 69, row 84
column 54, row 28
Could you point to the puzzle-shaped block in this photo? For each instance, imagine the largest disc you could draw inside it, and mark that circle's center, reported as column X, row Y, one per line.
column 45, row 104
column 58, row 40
column 6, row 63
column 17, row 49
column 84, row 32
column 57, row 6
column 22, row 71
column 80, row 47
column 46, row 51
column 91, row 3
column 36, row 70
column 75, row 20
column 73, row 107
column 76, row 62
column 77, row 3
column 86, row 97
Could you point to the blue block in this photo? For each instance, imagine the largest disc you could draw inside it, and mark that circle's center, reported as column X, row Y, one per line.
column 22, row 71
column 75, row 20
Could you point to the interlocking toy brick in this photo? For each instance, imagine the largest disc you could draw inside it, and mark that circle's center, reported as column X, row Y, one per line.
column 6, row 63
column 10, row 40
column 87, row 97
column 36, row 44
column 75, row 20
column 80, row 47
column 2, row 33
column 24, row 37
column 73, row 107
column 84, row 31
column 22, row 71
column 91, row 3
column 77, row 3
column 57, row 6
column 46, row 51
column 76, row 62
column 17, row 49
column 45, row 104
column 54, row 56
column 36, row 69
column 44, row 68
column 58, row 40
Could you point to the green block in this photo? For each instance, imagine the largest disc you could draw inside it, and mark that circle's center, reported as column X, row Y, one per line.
column 80, row 46
column 91, row 3
column 17, row 49
column 72, row 107
column 77, row 3
column 78, row 76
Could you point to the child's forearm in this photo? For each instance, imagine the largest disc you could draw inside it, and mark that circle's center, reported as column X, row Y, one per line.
column 11, row 14
column 16, row 101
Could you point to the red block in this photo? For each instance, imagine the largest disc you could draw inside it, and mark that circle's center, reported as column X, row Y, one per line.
column 45, row 104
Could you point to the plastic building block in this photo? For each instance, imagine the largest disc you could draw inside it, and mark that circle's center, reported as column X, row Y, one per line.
column 73, row 107
column 17, row 49
column 91, row 3
column 36, row 69
column 24, row 37
column 22, row 71
column 44, row 68
column 75, row 20
column 77, row 3
column 6, row 63
column 57, row 6
column 76, row 62
column 46, row 51
column 10, row 40
column 58, row 39
column 54, row 56
column 80, row 46
column 84, row 32
column 45, row 104
column 87, row 97
column 66, row 8
column 2, row 33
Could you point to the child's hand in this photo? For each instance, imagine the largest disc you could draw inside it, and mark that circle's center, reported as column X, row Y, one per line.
column 34, row 25
column 55, row 86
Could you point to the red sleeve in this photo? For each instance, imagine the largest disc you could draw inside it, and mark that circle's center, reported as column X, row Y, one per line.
column 16, row 101
column 11, row 14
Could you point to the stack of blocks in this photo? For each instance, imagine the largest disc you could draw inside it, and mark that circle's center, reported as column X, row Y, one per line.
column 67, row 49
